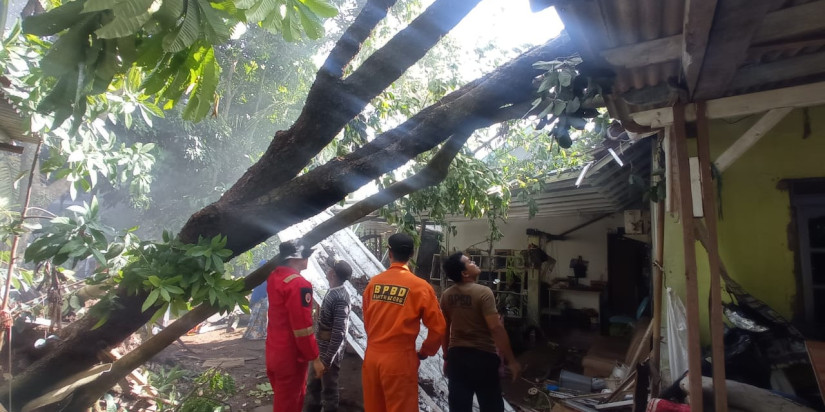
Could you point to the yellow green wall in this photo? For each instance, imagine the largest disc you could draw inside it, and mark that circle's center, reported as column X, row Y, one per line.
column 753, row 232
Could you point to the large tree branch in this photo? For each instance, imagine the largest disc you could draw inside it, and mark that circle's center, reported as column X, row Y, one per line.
column 333, row 102
column 350, row 42
column 433, row 173
column 249, row 223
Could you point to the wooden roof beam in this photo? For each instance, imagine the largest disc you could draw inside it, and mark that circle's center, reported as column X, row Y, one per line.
column 750, row 137
column 791, row 22
column 695, row 31
column 792, row 97
column 778, row 71
column 735, row 24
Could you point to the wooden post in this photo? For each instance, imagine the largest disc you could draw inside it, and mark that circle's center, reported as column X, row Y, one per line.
column 659, row 232
column 686, row 216
column 720, row 392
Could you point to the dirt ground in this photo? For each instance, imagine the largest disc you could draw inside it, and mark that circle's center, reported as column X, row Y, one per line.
column 541, row 361
column 220, row 344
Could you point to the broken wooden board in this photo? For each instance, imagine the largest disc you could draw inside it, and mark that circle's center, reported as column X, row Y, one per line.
column 224, row 363
column 816, row 352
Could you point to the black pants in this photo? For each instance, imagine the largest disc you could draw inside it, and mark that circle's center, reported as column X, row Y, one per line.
column 322, row 394
column 473, row 372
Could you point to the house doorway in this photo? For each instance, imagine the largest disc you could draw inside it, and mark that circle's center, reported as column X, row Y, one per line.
column 628, row 275
column 810, row 218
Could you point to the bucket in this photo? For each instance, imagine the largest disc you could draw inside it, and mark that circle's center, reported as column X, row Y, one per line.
column 574, row 381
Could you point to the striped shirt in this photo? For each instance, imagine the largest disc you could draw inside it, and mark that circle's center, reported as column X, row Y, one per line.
column 334, row 321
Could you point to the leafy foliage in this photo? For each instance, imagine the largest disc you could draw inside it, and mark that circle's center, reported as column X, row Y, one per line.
column 169, row 42
column 565, row 96
column 174, row 274
column 82, row 152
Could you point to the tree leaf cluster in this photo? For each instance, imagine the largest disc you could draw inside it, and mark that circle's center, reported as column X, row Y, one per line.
column 171, row 42
column 179, row 275
column 564, row 96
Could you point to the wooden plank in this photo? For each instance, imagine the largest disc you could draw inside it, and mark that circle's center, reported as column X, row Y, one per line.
column 696, row 26
column 641, row 392
column 11, row 148
column 717, row 328
column 735, row 24
column 645, row 53
column 614, row 405
column 695, row 187
column 750, row 137
column 746, row 104
column 816, row 352
column 658, row 231
column 778, row 71
column 689, row 245
column 791, row 22
column 224, row 363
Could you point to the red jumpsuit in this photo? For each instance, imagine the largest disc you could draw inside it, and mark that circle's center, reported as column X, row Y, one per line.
column 394, row 304
column 290, row 338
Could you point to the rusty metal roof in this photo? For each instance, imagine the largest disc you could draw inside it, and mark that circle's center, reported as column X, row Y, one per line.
column 748, row 46
column 11, row 123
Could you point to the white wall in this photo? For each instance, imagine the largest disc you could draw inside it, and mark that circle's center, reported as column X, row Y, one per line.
column 590, row 241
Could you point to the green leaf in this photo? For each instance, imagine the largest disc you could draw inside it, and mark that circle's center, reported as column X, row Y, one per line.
column 214, row 27
column 261, row 10
column 150, row 300
column 313, row 26
column 565, row 78
column 174, row 289
column 187, row 33
column 158, row 313
column 99, row 5
column 53, row 21
column 200, row 102
column 101, row 321
column 130, row 16
column 321, row 8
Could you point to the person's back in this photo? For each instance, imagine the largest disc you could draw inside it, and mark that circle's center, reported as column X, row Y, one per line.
column 467, row 305
column 333, row 323
column 395, row 303
column 392, row 318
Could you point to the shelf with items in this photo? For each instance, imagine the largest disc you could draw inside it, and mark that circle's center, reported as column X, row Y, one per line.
column 504, row 272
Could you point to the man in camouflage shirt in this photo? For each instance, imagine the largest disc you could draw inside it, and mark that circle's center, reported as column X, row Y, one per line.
column 333, row 322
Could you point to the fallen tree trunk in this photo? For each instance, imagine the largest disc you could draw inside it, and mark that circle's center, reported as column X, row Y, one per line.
column 256, row 208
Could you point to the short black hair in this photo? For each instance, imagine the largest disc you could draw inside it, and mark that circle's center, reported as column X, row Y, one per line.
column 290, row 248
column 342, row 270
column 453, row 266
column 402, row 246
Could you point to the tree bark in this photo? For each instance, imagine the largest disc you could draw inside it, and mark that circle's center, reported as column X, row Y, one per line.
column 267, row 198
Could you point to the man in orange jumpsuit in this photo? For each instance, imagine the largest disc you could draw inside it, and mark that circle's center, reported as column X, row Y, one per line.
column 394, row 304
column 290, row 337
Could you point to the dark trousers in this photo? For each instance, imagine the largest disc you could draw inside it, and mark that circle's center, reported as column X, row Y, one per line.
column 322, row 393
column 473, row 372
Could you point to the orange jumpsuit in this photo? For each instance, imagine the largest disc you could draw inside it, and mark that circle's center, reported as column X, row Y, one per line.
column 394, row 304
column 290, row 338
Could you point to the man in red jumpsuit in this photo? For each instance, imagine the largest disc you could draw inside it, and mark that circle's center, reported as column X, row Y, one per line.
column 290, row 337
column 395, row 303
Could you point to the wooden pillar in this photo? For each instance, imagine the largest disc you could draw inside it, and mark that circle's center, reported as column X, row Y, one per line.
column 685, row 207
column 659, row 233
column 720, row 392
